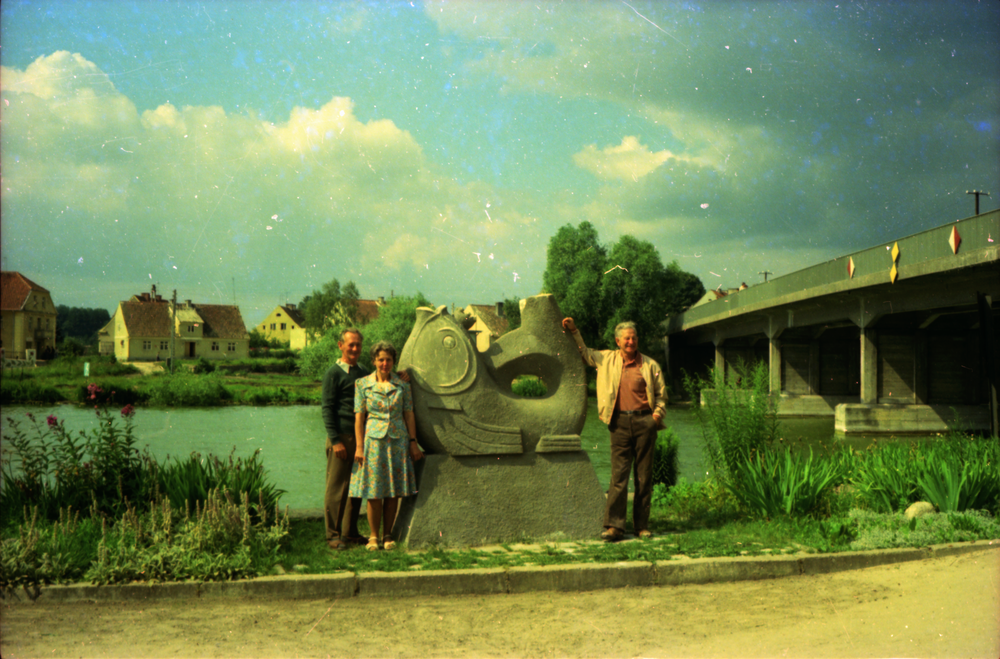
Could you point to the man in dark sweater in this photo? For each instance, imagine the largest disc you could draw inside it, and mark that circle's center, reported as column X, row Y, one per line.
column 338, row 416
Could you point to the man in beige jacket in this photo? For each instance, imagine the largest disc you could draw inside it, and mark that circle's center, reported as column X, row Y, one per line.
column 632, row 400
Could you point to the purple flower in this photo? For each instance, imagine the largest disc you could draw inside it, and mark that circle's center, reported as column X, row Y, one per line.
column 52, row 420
column 30, row 415
column 93, row 390
column 128, row 411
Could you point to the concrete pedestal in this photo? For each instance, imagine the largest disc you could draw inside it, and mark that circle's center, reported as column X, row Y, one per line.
column 477, row 500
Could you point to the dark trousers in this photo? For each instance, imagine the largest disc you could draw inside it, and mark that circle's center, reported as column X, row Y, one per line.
column 632, row 441
column 341, row 510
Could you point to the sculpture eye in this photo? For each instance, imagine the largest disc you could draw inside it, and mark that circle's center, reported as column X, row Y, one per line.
column 449, row 342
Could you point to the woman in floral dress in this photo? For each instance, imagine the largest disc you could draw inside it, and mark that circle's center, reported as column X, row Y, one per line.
column 386, row 433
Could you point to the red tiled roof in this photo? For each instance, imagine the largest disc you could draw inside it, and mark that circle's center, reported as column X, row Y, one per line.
column 487, row 313
column 152, row 319
column 146, row 319
column 14, row 289
column 295, row 315
column 367, row 311
column 222, row 321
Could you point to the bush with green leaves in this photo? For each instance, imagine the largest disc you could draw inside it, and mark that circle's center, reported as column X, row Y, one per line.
column 109, row 392
column 739, row 419
column 665, row 456
column 51, row 467
column 528, row 386
column 14, row 391
column 188, row 390
column 394, row 324
column 217, row 541
column 203, row 367
column 773, row 483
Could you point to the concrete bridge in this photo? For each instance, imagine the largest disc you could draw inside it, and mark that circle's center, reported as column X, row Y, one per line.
column 901, row 337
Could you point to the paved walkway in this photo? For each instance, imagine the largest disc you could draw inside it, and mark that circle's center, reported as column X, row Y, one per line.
column 943, row 605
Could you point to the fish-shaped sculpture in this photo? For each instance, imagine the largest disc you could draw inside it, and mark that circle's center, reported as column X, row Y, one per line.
column 463, row 400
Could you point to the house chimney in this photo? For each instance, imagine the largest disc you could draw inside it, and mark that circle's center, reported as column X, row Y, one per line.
column 153, row 294
column 500, row 309
column 381, row 301
column 188, row 303
column 290, row 305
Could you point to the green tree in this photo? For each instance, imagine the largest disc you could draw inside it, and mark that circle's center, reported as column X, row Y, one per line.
column 573, row 274
column 394, row 323
column 330, row 306
column 635, row 287
column 512, row 312
column 80, row 323
column 689, row 288
column 601, row 287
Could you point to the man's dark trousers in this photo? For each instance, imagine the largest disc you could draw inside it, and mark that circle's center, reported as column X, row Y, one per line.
column 341, row 510
column 632, row 439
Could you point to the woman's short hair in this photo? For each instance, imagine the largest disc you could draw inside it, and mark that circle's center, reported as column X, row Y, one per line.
column 383, row 346
column 621, row 327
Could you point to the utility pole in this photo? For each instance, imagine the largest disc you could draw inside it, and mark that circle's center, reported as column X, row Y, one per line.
column 977, row 193
column 173, row 330
column 765, row 273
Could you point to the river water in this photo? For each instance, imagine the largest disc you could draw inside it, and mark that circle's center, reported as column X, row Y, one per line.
column 292, row 439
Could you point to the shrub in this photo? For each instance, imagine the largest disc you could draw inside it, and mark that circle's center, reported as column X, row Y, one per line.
column 738, row 419
column 693, row 504
column 528, row 386
column 45, row 552
column 188, row 390
column 109, row 392
column 665, row 458
column 203, row 367
column 14, row 392
column 218, row 542
column 51, row 468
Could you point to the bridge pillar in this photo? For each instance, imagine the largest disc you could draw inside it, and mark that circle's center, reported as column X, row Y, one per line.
column 869, row 366
column 720, row 356
column 775, row 326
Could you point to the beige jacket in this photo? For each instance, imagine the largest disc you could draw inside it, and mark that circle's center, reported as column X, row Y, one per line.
column 609, row 375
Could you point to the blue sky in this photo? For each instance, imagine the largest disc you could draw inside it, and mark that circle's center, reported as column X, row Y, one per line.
column 255, row 150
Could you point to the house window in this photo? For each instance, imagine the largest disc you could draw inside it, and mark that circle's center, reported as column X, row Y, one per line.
column 215, row 346
column 163, row 345
column 274, row 325
column 278, row 315
column 191, row 329
column 231, row 347
column 146, row 345
column 283, row 326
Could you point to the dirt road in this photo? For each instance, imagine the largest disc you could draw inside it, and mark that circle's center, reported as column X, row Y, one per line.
column 942, row 607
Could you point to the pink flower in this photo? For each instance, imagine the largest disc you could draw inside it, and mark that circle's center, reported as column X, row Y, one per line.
column 128, row 411
column 52, row 420
column 93, row 390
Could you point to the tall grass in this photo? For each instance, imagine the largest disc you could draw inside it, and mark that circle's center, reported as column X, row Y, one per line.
column 738, row 419
column 773, row 483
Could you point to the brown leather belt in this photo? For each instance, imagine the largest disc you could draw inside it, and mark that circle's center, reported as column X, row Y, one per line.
column 635, row 412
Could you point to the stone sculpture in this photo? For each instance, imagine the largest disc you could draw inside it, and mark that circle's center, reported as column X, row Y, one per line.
column 499, row 466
